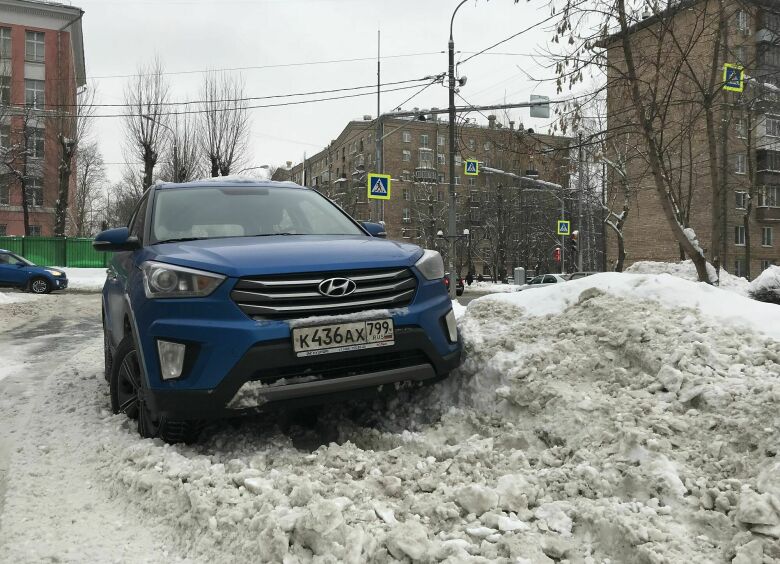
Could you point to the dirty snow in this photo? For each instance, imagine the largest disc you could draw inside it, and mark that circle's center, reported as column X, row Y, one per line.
column 490, row 287
column 687, row 271
column 617, row 418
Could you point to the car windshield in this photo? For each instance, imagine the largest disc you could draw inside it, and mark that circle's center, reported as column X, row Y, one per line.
column 224, row 211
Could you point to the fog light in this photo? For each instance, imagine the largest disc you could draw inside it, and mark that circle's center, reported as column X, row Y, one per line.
column 452, row 326
column 171, row 359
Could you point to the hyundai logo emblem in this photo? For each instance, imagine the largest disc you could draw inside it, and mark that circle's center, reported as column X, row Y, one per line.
column 337, row 287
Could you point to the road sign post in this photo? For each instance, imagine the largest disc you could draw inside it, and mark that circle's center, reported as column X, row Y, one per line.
column 378, row 186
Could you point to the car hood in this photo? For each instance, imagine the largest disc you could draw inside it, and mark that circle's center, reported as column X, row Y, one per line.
column 282, row 254
column 42, row 270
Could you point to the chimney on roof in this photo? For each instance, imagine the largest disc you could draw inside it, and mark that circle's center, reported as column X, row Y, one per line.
column 492, row 121
column 289, row 164
column 367, row 117
column 511, row 124
column 646, row 14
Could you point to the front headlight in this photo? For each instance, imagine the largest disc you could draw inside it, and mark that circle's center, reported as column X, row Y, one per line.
column 168, row 281
column 55, row 273
column 430, row 265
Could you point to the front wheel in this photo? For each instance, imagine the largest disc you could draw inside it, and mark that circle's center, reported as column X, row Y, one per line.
column 128, row 396
column 40, row 286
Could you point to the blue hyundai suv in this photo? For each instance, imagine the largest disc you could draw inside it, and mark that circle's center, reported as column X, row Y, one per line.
column 229, row 297
column 18, row 272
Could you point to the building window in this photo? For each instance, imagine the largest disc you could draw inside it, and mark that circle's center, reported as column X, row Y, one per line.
column 34, row 46
column 740, row 54
column 34, row 191
column 486, row 145
column 472, row 181
column 406, row 137
column 5, row 191
column 743, row 21
column 426, row 158
column 35, row 138
column 5, row 42
column 441, row 178
column 424, row 140
column 739, row 235
column 766, row 237
column 457, row 180
column 440, row 159
column 769, row 197
column 440, row 140
column 3, row 230
column 405, row 233
column 406, row 194
column 474, row 213
column 406, row 216
column 765, row 263
column 740, row 163
column 741, row 202
column 471, row 144
column 5, row 90
column 769, row 160
column 486, row 197
column 474, row 196
column 35, row 231
column 740, row 127
column 406, row 155
column 5, row 136
column 34, row 93
column 739, row 267
column 405, row 175
column 773, row 126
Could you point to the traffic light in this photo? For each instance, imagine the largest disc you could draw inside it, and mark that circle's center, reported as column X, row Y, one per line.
column 557, row 254
column 573, row 240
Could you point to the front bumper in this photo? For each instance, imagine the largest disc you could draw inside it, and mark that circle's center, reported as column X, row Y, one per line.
column 269, row 375
column 60, row 283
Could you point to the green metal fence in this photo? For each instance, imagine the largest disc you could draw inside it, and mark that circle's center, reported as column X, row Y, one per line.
column 56, row 251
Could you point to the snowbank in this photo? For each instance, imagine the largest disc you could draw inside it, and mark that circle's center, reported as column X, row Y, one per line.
column 490, row 287
column 85, row 279
column 687, row 271
column 13, row 297
column 769, row 279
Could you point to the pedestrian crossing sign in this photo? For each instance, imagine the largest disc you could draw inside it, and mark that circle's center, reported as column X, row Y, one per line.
column 733, row 78
column 379, row 186
column 564, row 227
column 471, row 167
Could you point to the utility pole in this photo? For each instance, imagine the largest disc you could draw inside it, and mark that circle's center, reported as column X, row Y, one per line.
column 452, row 217
column 380, row 205
column 581, row 190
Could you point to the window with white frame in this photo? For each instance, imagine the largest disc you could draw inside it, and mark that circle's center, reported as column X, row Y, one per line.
column 740, row 54
column 35, row 231
column 34, row 94
column 739, row 267
column 34, row 46
column 474, row 196
column 439, row 196
column 486, row 197
column 458, row 160
column 35, row 140
column 471, row 181
column 406, row 217
column 741, row 200
column 740, row 163
column 766, row 263
column 457, row 180
column 405, row 233
column 773, row 126
column 743, row 21
column 769, row 196
column 440, row 140
column 424, row 140
column 5, row 42
column 471, row 144
column 441, row 178
column 739, row 235
column 486, row 145
column 406, row 137
column 34, row 191
column 426, row 157
column 769, row 160
column 406, row 194
column 440, row 159
column 405, row 175
column 406, row 155
column 766, row 237
column 740, row 126
column 474, row 213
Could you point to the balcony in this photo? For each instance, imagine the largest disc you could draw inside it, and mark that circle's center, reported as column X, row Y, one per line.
column 767, row 214
column 425, row 174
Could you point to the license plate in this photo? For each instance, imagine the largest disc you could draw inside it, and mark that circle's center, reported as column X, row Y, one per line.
column 342, row 337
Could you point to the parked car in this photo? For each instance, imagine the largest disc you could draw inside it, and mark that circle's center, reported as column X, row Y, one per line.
column 226, row 298
column 578, row 275
column 18, row 272
column 459, row 285
column 543, row 280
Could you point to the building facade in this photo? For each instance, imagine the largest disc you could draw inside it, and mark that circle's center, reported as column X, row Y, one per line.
column 744, row 211
column 414, row 153
column 41, row 68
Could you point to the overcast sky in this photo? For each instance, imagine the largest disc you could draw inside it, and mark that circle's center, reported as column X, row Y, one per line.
column 197, row 35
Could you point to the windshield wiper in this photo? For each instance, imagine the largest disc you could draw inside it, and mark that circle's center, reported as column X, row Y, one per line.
column 179, row 240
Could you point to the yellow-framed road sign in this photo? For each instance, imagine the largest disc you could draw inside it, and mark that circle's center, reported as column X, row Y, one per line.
column 733, row 78
column 564, row 227
column 379, row 186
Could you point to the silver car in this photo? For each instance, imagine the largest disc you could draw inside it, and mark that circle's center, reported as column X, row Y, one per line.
column 543, row 280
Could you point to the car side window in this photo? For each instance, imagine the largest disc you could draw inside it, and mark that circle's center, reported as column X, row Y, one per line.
column 139, row 220
column 4, row 258
column 550, row 279
column 537, row 280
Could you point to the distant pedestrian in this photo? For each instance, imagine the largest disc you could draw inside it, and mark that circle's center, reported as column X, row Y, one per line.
column 480, row 278
column 469, row 278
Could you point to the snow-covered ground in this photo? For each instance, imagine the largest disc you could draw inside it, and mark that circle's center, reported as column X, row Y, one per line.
column 86, row 279
column 490, row 288
column 687, row 271
column 618, row 418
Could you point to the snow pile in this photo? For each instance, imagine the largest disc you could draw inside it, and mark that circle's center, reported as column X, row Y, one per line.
column 13, row 297
column 490, row 287
column 687, row 271
column 766, row 287
column 85, row 279
column 458, row 309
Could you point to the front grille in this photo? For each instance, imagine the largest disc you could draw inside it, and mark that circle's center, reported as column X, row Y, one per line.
column 339, row 368
column 298, row 295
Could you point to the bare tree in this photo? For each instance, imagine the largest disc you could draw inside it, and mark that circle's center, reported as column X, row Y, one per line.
column 147, row 116
column 90, row 182
column 182, row 158
column 224, row 129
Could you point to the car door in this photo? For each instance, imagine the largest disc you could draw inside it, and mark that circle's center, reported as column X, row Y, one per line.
column 550, row 279
column 12, row 271
column 119, row 271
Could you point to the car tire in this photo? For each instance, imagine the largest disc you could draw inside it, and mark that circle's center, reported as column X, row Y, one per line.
column 128, row 391
column 458, row 292
column 39, row 285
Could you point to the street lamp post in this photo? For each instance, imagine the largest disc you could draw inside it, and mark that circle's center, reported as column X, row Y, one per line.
column 451, row 219
column 175, row 148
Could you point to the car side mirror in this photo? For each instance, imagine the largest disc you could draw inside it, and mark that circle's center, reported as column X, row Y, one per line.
column 374, row 229
column 118, row 239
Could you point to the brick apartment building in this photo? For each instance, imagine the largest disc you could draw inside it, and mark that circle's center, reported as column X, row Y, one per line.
column 415, row 153
column 750, row 223
column 41, row 68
